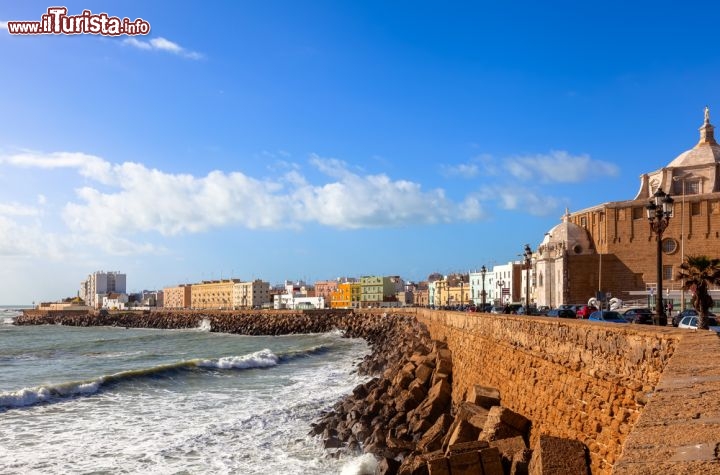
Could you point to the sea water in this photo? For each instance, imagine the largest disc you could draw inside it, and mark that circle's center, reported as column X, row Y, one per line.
column 114, row 400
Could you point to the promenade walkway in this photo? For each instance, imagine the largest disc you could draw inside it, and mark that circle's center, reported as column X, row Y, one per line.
column 679, row 429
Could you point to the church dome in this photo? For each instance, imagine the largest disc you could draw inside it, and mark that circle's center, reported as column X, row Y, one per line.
column 699, row 166
column 707, row 150
column 567, row 235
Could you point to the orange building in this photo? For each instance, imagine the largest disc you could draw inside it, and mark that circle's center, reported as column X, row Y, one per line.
column 347, row 295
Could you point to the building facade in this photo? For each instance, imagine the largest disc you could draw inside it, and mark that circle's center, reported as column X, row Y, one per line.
column 100, row 283
column 616, row 255
column 177, row 297
column 376, row 289
column 213, row 294
column 347, row 295
column 250, row 294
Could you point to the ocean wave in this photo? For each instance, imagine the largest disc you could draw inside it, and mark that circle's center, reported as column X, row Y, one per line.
column 260, row 359
column 57, row 392
column 51, row 393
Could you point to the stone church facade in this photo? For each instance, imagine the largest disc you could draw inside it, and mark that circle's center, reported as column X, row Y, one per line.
column 610, row 247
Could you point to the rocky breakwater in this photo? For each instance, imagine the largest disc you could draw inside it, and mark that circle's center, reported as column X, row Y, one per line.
column 406, row 417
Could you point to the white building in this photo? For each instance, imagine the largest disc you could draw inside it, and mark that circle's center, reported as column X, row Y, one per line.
column 115, row 301
column 100, row 283
column 297, row 302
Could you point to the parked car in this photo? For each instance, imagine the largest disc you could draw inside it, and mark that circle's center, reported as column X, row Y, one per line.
column 496, row 310
column 561, row 313
column 607, row 316
column 543, row 309
column 584, row 311
column 691, row 321
column 688, row 312
column 642, row 315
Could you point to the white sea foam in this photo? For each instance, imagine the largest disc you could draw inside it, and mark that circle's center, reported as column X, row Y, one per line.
column 260, row 359
column 362, row 465
column 31, row 396
column 204, row 326
column 200, row 422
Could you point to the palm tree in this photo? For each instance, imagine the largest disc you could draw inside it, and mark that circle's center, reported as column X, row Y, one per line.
column 697, row 273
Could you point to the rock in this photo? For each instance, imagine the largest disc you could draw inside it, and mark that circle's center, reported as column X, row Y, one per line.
column 509, row 448
column 387, row 466
column 473, row 446
column 502, row 423
column 465, row 463
column 463, row 432
column 424, row 373
column 483, row 396
column 413, row 466
column 438, row 464
column 520, row 463
column 432, row 439
column 557, row 456
column 491, row 462
column 437, row 401
column 332, row 443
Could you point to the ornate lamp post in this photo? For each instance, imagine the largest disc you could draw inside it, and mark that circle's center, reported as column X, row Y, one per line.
column 527, row 252
column 659, row 210
column 483, row 270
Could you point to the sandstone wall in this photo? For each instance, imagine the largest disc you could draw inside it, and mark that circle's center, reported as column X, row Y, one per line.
column 572, row 378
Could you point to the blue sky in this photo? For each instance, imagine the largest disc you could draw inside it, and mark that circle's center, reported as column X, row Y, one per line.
column 312, row 140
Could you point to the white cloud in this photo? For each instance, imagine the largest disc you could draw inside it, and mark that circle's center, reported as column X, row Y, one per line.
column 520, row 198
column 464, row 170
column 558, row 167
column 22, row 240
column 481, row 165
column 141, row 200
column 88, row 165
column 162, row 44
column 356, row 201
column 16, row 209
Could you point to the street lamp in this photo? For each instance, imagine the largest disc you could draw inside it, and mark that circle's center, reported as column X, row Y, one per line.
column 659, row 210
column 483, row 270
column 528, row 259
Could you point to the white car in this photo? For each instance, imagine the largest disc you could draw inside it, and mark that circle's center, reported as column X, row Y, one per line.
column 691, row 322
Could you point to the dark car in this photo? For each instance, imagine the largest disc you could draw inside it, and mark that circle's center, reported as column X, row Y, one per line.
column 584, row 311
column 642, row 316
column 607, row 316
column 688, row 312
column 561, row 313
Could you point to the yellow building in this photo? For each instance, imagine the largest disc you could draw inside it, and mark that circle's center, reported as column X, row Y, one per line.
column 213, row 294
column 347, row 295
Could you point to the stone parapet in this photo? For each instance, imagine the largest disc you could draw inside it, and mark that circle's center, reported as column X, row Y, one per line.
column 573, row 379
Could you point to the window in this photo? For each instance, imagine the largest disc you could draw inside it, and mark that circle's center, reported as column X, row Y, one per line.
column 695, row 209
column 583, row 222
column 667, row 272
column 692, row 187
column 637, row 213
column 669, row 245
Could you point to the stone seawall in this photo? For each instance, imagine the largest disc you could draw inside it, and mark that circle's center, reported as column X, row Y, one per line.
column 573, row 379
column 642, row 399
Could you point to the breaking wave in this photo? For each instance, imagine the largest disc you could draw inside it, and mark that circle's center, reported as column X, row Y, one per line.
column 52, row 393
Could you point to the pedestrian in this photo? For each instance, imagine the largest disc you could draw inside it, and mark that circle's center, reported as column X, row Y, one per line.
column 669, row 308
